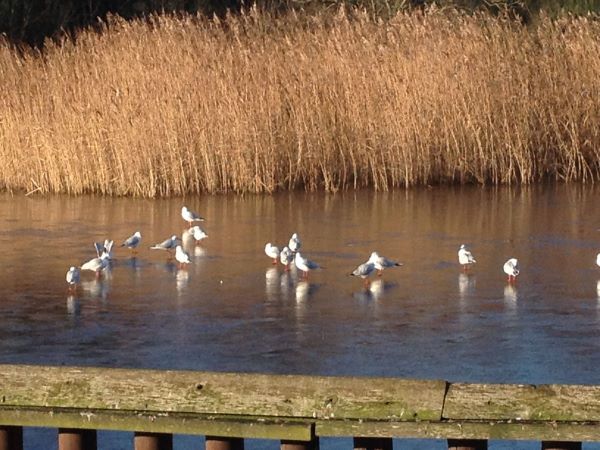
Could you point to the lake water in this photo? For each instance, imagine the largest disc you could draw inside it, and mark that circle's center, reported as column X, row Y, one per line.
column 232, row 310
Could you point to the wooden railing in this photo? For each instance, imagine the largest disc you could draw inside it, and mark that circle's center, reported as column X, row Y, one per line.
column 297, row 410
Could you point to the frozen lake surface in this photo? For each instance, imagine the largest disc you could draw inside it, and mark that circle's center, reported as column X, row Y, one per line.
column 232, row 310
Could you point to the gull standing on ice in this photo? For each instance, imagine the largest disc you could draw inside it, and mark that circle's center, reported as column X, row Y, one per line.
column 510, row 269
column 198, row 233
column 294, row 244
column 286, row 257
column 96, row 264
column 272, row 252
column 167, row 244
column 364, row 270
column 132, row 241
column 181, row 256
column 304, row 264
column 465, row 258
column 72, row 277
column 381, row 263
column 190, row 216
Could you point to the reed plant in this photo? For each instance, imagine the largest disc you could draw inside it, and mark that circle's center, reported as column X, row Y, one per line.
column 175, row 105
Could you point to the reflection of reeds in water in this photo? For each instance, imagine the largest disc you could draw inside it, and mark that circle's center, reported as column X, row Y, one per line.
column 186, row 105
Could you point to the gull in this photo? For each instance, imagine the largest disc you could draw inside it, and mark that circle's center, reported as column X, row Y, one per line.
column 510, row 269
column 465, row 257
column 190, row 216
column 108, row 245
column 104, row 249
column 294, row 244
column 382, row 262
column 198, row 233
column 72, row 277
column 363, row 271
column 181, row 256
column 304, row 264
column 272, row 252
column 96, row 264
column 286, row 257
column 167, row 244
column 132, row 241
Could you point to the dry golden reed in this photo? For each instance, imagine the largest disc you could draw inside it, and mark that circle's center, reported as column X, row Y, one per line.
column 183, row 105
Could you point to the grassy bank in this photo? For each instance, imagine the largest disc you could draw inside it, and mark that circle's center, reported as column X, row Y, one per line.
column 256, row 104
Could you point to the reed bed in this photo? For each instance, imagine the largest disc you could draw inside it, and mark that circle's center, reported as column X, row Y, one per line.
column 256, row 103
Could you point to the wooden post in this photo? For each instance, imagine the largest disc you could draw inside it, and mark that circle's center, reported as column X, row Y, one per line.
column 152, row 441
column 558, row 445
column 300, row 445
column 224, row 443
column 467, row 444
column 368, row 443
column 11, row 438
column 76, row 439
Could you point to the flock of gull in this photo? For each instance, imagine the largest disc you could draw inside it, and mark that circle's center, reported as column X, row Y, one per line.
column 288, row 256
column 104, row 251
column 375, row 263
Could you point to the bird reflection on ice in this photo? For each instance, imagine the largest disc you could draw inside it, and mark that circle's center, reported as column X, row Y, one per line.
column 286, row 282
column 374, row 291
column 133, row 263
column 73, row 305
column 198, row 251
column 271, row 282
column 510, row 294
column 98, row 288
column 305, row 290
column 182, row 278
column 466, row 284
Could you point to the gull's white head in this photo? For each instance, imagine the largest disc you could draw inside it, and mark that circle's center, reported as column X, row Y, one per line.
column 462, row 246
column 72, row 268
column 174, row 237
column 184, row 209
column 137, row 234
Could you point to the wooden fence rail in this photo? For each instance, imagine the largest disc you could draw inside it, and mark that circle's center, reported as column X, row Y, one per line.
column 296, row 410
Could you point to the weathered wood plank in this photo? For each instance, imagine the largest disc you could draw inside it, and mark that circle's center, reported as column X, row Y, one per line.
column 221, row 393
column 549, row 431
column 522, row 402
column 243, row 427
